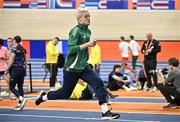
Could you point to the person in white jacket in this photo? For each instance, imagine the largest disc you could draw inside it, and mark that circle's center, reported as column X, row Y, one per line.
column 134, row 48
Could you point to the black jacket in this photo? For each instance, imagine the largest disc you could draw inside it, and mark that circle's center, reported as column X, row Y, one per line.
column 156, row 47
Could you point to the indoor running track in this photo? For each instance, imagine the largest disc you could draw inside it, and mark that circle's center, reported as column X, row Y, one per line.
column 10, row 115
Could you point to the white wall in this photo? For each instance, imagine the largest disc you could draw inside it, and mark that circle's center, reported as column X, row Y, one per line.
column 105, row 24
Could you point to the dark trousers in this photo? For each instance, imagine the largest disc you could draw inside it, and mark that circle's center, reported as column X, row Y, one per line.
column 97, row 69
column 53, row 69
column 17, row 77
column 70, row 80
column 149, row 66
column 142, row 82
column 115, row 85
column 168, row 92
column 134, row 59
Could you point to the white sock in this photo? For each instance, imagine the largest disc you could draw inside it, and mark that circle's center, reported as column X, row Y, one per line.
column 104, row 107
column 126, row 88
column 44, row 98
column 21, row 98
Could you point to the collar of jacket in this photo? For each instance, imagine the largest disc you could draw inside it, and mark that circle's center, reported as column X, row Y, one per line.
column 83, row 27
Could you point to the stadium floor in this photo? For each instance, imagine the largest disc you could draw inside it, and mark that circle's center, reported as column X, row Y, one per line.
column 134, row 106
column 79, row 116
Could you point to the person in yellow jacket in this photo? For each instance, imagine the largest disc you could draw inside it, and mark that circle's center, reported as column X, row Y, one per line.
column 95, row 58
column 77, row 92
column 52, row 54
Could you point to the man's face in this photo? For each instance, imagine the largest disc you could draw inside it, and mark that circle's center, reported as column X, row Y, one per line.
column 170, row 67
column 118, row 69
column 10, row 42
column 85, row 18
column 56, row 41
column 149, row 36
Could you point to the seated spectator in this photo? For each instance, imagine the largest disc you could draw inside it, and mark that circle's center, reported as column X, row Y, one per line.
column 83, row 91
column 170, row 89
column 78, row 90
column 88, row 93
column 129, row 73
column 116, row 80
column 141, row 78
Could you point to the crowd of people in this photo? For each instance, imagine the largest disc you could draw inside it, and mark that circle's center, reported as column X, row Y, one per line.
column 150, row 48
column 82, row 71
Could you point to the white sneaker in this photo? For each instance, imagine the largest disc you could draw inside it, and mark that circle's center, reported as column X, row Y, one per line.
column 153, row 89
column 133, row 88
column 126, row 88
column 4, row 93
column 17, row 107
column 21, row 105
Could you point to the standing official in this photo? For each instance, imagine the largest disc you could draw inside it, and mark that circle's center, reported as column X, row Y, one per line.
column 150, row 49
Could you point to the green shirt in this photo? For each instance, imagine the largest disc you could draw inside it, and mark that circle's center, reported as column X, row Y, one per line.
column 76, row 58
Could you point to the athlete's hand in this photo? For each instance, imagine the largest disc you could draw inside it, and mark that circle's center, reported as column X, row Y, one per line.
column 92, row 43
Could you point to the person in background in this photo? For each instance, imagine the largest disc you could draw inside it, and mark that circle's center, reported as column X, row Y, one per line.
column 95, row 58
column 124, row 50
column 17, row 66
column 52, row 54
column 127, row 71
column 170, row 89
column 3, row 62
column 141, row 78
column 116, row 80
column 10, row 47
column 78, row 90
column 76, row 67
column 151, row 47
column 134, row 48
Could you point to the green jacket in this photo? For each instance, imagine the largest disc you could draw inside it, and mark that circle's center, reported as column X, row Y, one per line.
column 76, row 58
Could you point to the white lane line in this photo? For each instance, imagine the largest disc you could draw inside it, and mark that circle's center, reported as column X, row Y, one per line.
column 77, row 118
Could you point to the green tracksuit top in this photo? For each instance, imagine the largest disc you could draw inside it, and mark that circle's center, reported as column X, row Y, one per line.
column 76, row 59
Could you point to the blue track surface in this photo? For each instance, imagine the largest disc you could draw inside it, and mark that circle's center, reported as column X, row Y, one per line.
column 9, row 115
column 143, row 100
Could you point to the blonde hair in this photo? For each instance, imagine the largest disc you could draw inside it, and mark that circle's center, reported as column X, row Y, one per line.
column 79, row 12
